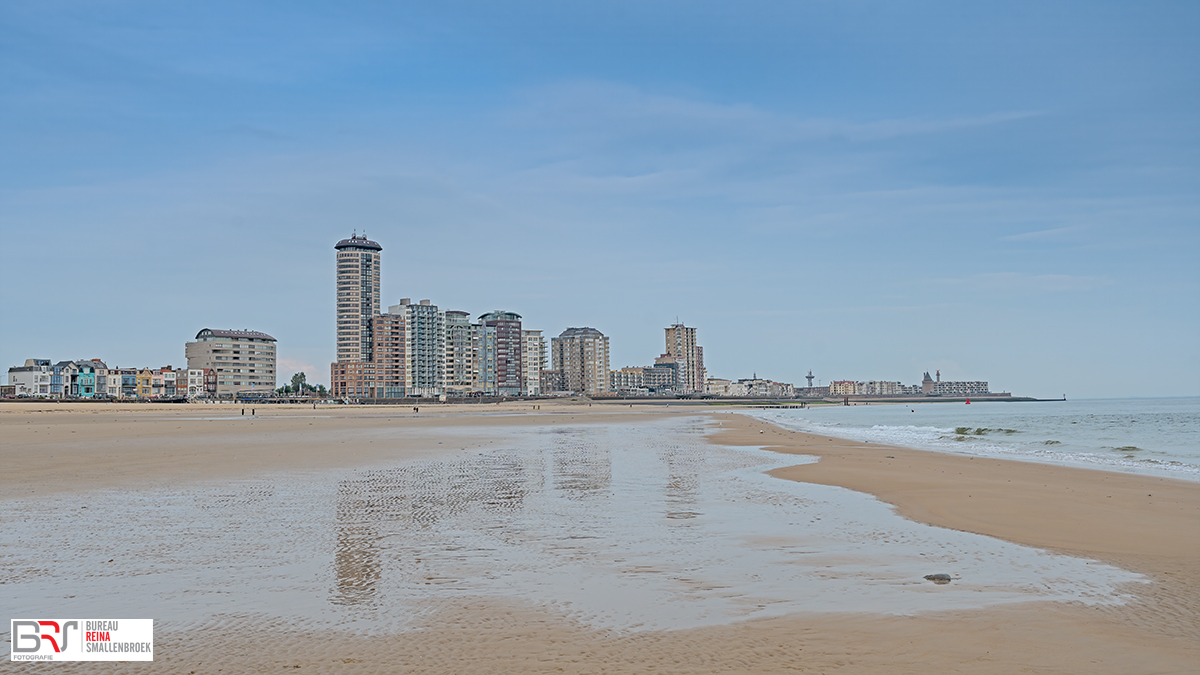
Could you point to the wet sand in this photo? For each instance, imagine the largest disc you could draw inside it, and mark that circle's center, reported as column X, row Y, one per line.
column 1094, row 515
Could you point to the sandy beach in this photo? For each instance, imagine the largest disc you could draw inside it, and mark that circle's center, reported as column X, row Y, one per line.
column 59, row 454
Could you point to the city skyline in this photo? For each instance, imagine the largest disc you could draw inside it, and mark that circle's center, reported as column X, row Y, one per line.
column 1001, row 192
column 419, row 349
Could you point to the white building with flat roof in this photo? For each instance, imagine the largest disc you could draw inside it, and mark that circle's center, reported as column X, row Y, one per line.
column 31, row 380
column 533, row 361
column 244, row 360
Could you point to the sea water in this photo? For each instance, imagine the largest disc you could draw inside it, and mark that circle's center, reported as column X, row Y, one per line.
column 623, row 526
column 1158, row 436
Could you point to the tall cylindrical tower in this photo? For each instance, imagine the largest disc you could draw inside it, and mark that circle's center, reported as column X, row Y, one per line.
column 357, row 297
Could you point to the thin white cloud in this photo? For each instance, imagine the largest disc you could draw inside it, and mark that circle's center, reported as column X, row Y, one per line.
column 1027, row 283
column 1043, row 234
column 611, row 110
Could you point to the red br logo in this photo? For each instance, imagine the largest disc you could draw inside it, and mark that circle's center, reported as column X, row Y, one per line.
column 41, row 637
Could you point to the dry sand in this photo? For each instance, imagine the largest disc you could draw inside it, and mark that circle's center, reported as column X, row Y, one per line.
column 1147, row 525
column 116, row 445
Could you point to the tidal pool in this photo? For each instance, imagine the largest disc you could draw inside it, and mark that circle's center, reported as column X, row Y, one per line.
column 629, row 526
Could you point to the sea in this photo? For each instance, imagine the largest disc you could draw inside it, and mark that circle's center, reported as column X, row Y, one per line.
column 1150, row 436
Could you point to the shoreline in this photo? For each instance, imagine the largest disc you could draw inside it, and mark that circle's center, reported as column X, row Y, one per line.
column 1059, row 509
column 1138, row 447
column 1140, row 523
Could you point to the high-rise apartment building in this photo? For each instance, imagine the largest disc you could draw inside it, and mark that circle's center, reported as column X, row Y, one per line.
column 581, row 354
column 533, row 361
column 244, row 361
column 681, row 343
column 426, row 347
column 357, row 297
column 500, row 350
column 462, row 337
column 389, row 335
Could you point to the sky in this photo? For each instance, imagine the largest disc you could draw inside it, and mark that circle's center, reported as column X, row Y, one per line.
column 1003, row 191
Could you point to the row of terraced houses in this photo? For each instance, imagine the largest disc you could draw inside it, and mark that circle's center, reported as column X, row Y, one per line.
column 94, row 379
column 220, row 364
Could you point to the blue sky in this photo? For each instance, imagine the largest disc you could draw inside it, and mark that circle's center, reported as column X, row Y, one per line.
column 1005, row 191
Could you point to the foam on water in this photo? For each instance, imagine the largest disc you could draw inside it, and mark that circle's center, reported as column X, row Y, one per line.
column 620, row 526
column 1158, row 437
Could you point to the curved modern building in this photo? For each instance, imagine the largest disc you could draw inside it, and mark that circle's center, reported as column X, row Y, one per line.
column 357, row 297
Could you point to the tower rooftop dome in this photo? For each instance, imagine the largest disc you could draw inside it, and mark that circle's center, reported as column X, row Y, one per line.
column 356, row 241
column 585, row 330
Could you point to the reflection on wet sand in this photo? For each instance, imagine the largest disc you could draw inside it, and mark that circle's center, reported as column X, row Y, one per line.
column 626, row 526
column 415, row 500
column 582, row 470
column 683, row 481
column 356, row 558
column 613, row 523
